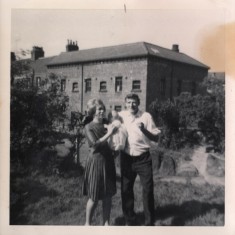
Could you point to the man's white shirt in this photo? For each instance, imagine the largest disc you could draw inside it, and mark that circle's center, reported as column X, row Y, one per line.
column 137, row 142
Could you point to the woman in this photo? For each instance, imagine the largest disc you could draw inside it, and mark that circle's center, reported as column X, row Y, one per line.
column 100, row 174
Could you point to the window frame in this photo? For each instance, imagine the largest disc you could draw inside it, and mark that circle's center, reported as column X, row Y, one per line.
column 62, row 85
column 118, row 83
column 194, row 88
column 38, row 81
column 103, row 89
column 88, row 81
column 179, row 87
column 75, row 89
column 118, row 108
column 136, row 89
column 163, row 87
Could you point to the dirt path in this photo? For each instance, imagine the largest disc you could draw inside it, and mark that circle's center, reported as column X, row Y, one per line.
column 199, row 160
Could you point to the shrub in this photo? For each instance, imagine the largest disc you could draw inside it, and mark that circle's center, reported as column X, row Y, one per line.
column 186, row 119
column 35, row 114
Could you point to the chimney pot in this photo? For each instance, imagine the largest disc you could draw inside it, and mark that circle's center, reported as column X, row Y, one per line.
column 71, row 46
column 37, row 52
column 175, row 47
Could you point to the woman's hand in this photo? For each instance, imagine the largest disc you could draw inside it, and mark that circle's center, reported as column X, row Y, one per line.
column 111, row 129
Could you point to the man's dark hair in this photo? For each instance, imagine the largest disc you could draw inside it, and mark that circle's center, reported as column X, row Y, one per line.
column 133, row 96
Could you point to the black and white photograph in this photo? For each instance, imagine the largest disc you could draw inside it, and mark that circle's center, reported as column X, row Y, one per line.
column 118, row 116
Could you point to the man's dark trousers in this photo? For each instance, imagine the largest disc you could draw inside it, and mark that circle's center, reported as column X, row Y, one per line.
column 130, row 167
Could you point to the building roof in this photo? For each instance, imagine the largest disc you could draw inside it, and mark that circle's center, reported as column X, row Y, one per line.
column 139, row 49
column 40, row 65
column 169, row 54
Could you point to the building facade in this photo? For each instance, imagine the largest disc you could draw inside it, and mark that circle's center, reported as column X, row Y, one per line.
column 110, row 73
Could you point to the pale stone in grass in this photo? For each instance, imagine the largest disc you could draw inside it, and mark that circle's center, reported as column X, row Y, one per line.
column 167, row 166
column 215, row 166
column 187, row 170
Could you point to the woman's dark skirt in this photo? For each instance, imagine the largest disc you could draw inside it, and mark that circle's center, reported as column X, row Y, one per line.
column 99, row 176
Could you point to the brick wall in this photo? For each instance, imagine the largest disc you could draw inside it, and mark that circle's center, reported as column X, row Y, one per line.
column 71, row 74
column 150, row 72
column 187, row 74
column 172, row 72
column 129, row 70
column 157, row 70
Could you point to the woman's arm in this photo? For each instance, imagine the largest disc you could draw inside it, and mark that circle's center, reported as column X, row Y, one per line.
column 98, row 142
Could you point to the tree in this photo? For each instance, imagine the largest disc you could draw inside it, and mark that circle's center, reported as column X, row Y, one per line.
column 35, row 115
column 20, row 67
column 38, row 114
column 183, row 118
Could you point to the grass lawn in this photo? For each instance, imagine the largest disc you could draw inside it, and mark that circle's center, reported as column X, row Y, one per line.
column 37, row 199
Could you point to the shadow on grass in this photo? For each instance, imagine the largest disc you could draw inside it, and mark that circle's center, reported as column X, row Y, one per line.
column 179, row 214
column 22, row 195
column 187, row 211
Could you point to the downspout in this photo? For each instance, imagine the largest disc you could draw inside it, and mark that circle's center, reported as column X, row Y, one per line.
column 171, row 81
column 33, row 78
column 82, row 92
column 147, row 80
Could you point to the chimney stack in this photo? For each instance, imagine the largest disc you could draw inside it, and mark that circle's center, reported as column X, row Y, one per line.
column 37, row 52
column 175, row 47
column 13, row 56
column 71, row 46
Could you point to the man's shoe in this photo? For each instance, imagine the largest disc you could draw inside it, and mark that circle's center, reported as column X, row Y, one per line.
column 132, row 222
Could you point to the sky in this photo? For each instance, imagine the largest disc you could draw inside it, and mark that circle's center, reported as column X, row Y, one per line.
column 199, row 33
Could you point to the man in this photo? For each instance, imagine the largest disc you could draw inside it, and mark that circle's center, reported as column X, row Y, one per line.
column 136, row 159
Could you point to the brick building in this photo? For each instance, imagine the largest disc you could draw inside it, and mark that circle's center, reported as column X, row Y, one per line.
column 33, row 69
column 109, row 73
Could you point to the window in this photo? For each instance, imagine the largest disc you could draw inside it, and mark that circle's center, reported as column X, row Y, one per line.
column 54, row 86
column 163, row 87
column 62, row 84
column 63, row 107
column 75, row 117
column 179, row 87
column 87, row 85
column 136, row 85
column 28, row 82
column 194, row 86
column 75, row 87
column 38, row 81
column 118, row 84
column 118, row 108
column 103, row 86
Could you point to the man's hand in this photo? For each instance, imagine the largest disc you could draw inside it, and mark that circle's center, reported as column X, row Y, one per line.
column 141, row 126
column 148, row 134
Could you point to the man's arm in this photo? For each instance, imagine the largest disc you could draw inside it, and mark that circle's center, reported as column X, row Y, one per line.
column 148, row 134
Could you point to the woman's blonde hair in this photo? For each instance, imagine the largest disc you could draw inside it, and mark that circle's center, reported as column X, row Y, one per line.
column 92, row 104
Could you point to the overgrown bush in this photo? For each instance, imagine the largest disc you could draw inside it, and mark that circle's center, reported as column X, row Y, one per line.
column 35, row 116
column 187, row 119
